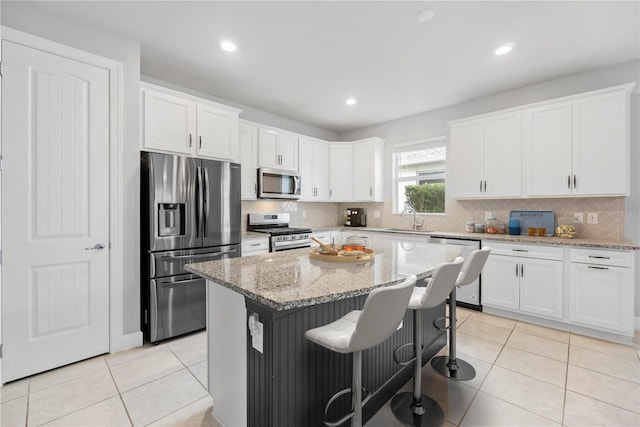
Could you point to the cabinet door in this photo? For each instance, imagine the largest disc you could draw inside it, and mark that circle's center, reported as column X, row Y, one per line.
column 541, row 287
column 340, row 172
column 466, row 148
column 248, row 144
column 288, row 151
column 503, row 155
column 217, row 133
column 500, row 282
column 320, row 170
column 601, row 297
column 268, row 149
column 306, row 163
column 363, row 171
column 547, row 150
column 600, row 148
column 169, row 123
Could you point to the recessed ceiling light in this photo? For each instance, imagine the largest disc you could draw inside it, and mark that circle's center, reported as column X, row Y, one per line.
column 426, row 15
column 351, row 101
column 503, row 50
column 228, row 46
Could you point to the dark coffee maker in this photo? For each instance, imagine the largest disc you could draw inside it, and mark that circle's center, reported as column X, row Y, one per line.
column 356, row 217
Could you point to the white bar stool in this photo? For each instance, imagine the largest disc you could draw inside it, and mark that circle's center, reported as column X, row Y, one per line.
column 359, row 330
column 450, row 366
column 416, row 409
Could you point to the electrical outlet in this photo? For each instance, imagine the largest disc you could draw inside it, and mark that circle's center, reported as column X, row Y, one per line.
column 487, row 215
column 376, row 214
column 304, row 214
column 592, row 217
column 578, row 217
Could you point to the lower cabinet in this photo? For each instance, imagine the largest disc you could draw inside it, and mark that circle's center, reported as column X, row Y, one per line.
column 524, row 278
column 601, row 289
column 255, row 246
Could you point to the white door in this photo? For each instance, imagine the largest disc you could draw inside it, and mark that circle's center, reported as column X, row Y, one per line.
column 169, row 122
column 466, row 148
column 541, row 287
column 306, row 161
column 340, row 172
column 217, row 132
column 501, row 283
column 288, row 151
column 55, row 209
column 248, row 142
column 502, row 155
column 363, row 170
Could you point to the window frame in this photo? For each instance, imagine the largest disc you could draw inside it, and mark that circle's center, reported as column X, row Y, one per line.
column 403, row 147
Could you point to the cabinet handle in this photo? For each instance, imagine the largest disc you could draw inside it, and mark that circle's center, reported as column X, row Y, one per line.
column 330, row 192
column 255, row 188
column 520, row 250
column 190, row 144
column 517, row 270
column 485, row 186
column 481, row 186
column 371, row 191
column 575, row 182
column 200, row 141
column 597, row 268
column 569, row 182
column 521, row 270
column 599, row 257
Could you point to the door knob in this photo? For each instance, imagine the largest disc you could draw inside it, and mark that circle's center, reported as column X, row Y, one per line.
column 97, row 247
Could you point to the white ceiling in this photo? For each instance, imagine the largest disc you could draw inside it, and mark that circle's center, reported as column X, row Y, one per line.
column 302, row 59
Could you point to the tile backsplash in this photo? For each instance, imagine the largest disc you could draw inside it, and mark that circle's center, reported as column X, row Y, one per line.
column 611, row 213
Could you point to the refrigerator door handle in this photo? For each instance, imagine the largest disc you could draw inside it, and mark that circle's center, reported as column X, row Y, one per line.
column 198, row 200
column 205, row 192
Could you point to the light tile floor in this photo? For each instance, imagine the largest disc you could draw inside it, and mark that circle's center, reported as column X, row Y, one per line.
column 526, row 375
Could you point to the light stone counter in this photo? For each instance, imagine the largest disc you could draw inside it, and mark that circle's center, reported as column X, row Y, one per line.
column 291, row 279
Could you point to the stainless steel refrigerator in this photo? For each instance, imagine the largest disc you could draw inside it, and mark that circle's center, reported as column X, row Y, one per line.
column 190, row 212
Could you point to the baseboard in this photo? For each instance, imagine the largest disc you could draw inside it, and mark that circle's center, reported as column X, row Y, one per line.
column 125, row 342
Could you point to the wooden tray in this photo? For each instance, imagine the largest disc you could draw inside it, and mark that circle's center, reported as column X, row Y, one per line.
column 316, row 253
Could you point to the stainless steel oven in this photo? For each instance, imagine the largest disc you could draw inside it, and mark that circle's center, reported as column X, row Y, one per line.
column 281, row 236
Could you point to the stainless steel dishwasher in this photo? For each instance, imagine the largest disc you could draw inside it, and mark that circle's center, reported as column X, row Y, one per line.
column 466, row 296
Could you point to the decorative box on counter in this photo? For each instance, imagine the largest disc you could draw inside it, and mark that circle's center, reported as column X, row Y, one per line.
column 536, row 220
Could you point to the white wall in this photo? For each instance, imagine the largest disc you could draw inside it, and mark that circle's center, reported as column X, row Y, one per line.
column 433, row 123
column 37, row 21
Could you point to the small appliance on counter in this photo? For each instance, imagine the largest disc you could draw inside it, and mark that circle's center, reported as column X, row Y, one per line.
column 356, row 217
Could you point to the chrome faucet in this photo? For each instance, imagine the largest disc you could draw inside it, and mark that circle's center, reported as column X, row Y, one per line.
column 415, row 225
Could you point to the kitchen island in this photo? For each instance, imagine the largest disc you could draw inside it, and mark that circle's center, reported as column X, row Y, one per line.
column 262, row 371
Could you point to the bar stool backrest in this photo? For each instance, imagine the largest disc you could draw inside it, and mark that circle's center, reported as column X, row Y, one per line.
column 473, row 266
column 382, row 312
column 441, row 283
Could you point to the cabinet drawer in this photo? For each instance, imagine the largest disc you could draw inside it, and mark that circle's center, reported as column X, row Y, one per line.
column 255, row 246
column 602, row 257
column 525, row 251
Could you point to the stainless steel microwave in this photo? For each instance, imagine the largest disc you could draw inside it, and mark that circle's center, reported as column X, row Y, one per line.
column 278, row 184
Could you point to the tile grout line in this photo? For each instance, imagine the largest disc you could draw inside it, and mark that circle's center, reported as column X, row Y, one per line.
column 124, row 405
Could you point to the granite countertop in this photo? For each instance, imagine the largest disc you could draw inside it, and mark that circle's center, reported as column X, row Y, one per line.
column 253, row 235
column 291, row 279
column 506, row 238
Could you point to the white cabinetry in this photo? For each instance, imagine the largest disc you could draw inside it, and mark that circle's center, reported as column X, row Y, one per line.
column 525, row 278
column 340, row 171
column 255, row 246
column 601, row 289
column 326, row 237
column 248, row 142
column 278, row 149
column 578, row 147
column 179, row 123
column 486, row 156
column 356, row 171
column 314, row 169
column 367, row 176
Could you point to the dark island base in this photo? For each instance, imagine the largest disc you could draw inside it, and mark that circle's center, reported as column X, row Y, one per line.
column 290, row 383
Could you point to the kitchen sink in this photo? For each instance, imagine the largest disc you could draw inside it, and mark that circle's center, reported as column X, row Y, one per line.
column 404, row 230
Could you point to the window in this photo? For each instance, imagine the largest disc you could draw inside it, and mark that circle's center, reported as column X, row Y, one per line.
column 420, row 169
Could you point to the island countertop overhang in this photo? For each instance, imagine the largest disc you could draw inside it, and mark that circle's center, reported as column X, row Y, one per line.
column 291, row 279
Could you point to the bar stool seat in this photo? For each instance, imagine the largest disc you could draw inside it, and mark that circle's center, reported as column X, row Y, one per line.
column 450, row 366
column 359, row 330
column 414, row 408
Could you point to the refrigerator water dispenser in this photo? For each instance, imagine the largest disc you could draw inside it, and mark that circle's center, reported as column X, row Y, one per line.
column 171, row 219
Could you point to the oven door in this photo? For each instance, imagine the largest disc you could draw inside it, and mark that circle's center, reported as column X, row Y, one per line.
column 177, row 306
column 292, row 244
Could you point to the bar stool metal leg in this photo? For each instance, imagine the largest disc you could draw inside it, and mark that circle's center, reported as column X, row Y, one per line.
column 356, row 390
column 450, row 366
column 415, row 408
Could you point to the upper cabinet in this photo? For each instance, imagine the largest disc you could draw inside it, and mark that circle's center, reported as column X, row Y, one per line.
column 579, row 147
column 179, row 123
column 248, row 145
column 277, row 149
column 573, row 146
column 314, row 169
column 486, row 156
column 356, row 171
